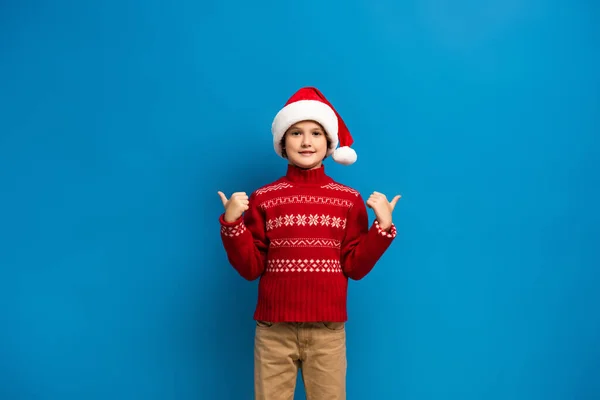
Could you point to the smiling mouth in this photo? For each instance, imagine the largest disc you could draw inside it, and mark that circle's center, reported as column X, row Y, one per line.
column 306, row 152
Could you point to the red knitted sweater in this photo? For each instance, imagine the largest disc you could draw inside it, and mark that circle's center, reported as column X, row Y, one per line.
column 304, row 235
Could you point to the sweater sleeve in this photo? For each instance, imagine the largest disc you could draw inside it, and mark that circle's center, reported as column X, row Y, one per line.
column 363, row 246
column 245, row 241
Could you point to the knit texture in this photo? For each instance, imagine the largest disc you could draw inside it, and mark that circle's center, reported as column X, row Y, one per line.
column 304, row 235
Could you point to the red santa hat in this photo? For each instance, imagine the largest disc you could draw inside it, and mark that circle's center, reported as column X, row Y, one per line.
column 308, row 103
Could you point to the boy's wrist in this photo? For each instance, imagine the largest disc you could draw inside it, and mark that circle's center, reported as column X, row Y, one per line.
column 226, row 220
column 384, row 225
column 231, row 219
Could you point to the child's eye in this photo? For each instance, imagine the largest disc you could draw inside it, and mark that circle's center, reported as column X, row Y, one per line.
column 317, row 133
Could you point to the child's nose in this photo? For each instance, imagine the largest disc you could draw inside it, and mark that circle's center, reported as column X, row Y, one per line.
column 306, row 140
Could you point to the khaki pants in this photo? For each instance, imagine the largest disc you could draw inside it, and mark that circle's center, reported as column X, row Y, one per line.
column 317, row 349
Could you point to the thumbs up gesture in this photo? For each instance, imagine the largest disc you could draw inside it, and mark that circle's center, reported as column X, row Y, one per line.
column 382, row 208
column 234, row 206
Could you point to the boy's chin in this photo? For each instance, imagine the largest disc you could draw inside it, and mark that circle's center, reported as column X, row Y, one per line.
column 306, row 165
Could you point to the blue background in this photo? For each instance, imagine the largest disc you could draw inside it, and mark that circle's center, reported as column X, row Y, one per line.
column 120, row 121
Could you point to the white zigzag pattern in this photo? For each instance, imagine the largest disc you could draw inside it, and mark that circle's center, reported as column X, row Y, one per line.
column 282, row 265
column 306, row 242
column 305, row 220
column 282, row 185
column 305, row 199
column 233, row 231
column 342, row 188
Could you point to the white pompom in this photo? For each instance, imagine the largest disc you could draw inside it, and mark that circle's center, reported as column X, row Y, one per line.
column 344, row 155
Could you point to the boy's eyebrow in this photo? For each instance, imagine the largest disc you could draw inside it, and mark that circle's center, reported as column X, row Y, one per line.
column 297, row 128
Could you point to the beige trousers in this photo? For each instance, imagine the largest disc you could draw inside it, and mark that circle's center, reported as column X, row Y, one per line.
column 317, row 349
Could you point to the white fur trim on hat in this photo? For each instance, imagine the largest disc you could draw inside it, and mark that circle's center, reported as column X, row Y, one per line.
column 304, row 110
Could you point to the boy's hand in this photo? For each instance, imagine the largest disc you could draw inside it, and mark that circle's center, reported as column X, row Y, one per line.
column 382, row 208
column 235, row 206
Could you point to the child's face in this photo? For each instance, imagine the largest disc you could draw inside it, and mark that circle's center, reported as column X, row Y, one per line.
column 306, row 144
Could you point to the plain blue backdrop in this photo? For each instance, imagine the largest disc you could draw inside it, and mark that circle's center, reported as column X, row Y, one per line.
column 120, row 121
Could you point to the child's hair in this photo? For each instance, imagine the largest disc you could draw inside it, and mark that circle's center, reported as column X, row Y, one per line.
column 282, row 144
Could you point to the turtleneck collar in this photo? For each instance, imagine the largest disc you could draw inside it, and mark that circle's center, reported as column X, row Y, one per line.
column 307, row 176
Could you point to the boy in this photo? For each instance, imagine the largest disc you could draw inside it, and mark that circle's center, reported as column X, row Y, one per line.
column 304, row 235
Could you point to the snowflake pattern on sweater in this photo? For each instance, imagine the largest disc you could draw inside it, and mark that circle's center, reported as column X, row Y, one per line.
column 304, row 236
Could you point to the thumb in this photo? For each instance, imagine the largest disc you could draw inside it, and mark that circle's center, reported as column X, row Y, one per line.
column 223, row 197
column 394, row 201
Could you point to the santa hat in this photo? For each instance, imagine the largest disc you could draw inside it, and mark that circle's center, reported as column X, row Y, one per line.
column 309, row 104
